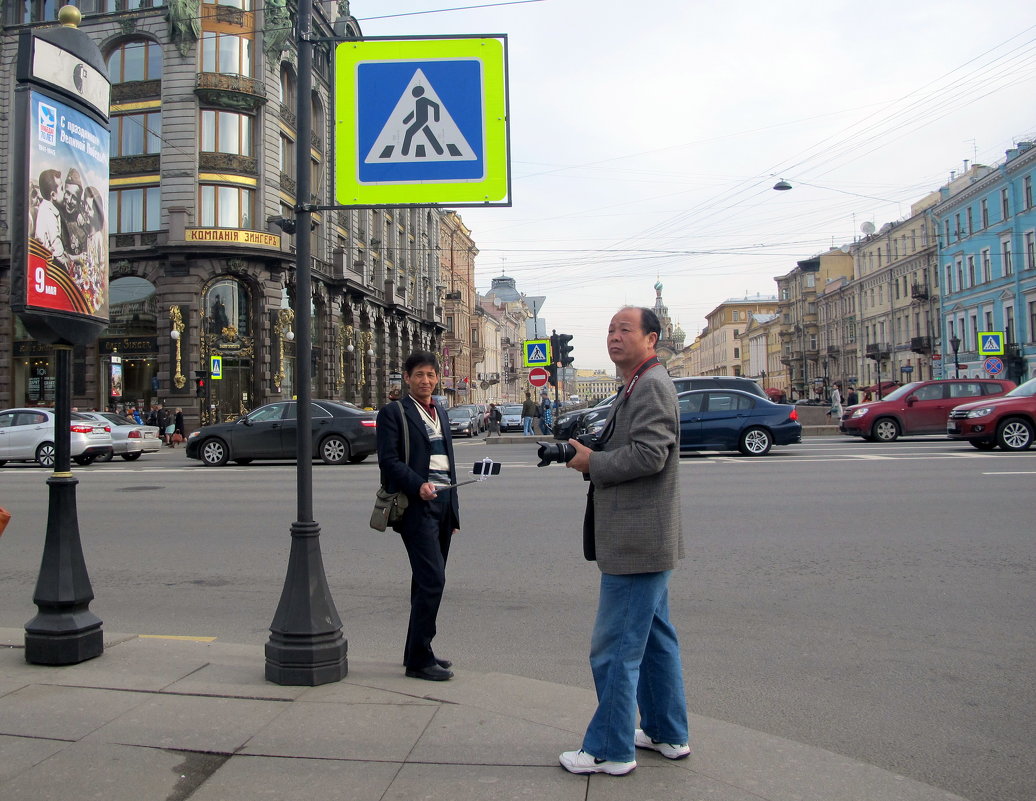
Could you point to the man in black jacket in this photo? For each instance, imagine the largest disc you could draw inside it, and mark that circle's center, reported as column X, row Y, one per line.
column 432, row 514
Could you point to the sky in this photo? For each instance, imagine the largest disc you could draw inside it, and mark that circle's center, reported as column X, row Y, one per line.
column 646, row 137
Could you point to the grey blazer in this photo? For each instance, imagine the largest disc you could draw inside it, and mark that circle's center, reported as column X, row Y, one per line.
column 637, row 522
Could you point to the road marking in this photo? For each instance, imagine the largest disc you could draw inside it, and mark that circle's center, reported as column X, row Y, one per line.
column 1012, row 473
column 175, row 637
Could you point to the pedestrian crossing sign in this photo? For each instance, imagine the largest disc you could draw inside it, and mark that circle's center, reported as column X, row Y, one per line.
column 990, row 343
column 216, row 368
column 421, row 122
column 536, row 353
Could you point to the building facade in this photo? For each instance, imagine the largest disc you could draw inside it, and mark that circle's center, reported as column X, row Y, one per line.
column 201, row 221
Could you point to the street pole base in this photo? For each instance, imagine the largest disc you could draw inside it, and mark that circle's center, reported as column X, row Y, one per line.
column 64, row 647
column 306, row 660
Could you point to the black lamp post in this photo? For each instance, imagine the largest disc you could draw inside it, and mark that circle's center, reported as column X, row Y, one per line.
column 955, row 344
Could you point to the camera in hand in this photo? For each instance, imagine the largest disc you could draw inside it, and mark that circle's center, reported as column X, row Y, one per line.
column 562, row 452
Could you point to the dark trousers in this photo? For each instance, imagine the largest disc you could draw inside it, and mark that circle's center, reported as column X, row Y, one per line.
column 427, row 544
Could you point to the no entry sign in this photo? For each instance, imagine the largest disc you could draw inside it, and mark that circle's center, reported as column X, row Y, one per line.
column 538, row 376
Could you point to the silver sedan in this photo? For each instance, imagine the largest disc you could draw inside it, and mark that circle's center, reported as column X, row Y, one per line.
column 129, row 439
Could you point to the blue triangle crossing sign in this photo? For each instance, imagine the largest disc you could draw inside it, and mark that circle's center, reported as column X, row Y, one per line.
column 536, row 353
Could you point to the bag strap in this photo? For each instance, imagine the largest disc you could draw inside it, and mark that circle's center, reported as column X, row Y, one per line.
column 406, row 433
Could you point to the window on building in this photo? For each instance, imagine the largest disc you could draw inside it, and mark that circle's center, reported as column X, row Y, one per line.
column 134, row 210
column 449, row 323
column 949, row 278
column 226, row 305
column 971, row 226
column 1009, row 323
column 226, row 206
column 984, row 207
column 136, row 134
column 987, row 266
column 1006, row 251
column 138, row 60
column 1030, row 250
column 989, row 319
column 287, row 87
column 956, row 223
column 1032, row 320
column 226, row 53
column 972, row 278
column 244, row 5
column 286, row 155
column 1027, row 191
column 226, row 132
column 1005, row 206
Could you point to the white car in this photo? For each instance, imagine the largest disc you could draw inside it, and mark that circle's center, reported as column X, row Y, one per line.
column 129, row 438
column 27, row 435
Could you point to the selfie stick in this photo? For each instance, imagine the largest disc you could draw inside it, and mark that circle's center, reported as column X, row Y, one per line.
column 486, row 472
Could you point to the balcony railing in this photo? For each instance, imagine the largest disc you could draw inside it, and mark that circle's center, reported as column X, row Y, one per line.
column 921, row 344
column 876, row 351
column 919, row 292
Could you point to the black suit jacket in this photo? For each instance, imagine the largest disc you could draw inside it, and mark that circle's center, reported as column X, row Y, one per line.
column 398, row 475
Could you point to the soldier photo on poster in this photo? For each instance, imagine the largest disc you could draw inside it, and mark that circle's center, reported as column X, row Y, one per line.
column 67, row 210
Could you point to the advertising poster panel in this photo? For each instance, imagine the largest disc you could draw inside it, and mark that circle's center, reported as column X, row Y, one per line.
column 67, row 226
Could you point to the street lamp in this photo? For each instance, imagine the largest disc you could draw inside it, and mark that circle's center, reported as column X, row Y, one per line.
column 955, row 344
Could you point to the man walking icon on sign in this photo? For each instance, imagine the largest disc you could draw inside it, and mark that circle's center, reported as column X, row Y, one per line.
column 420, row 117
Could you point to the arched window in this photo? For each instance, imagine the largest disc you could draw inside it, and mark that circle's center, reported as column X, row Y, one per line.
column 136, row 60
column 226, row 306
column 133, row 310
column 287, row 87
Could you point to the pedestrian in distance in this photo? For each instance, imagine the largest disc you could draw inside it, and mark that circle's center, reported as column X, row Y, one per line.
column 836, row 402
column 179, row 434
column 633, row 530
column 853, row 397
column 544, row 416
column 166, row 425
column 528, row 414
column 495, row 416
column 432, row 515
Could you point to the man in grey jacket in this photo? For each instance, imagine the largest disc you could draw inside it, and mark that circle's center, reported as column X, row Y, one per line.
column 637, row 541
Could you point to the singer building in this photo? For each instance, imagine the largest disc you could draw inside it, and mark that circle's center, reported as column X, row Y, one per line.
column 200, row 221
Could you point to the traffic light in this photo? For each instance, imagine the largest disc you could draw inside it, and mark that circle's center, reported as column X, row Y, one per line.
column 201, row 378
column 552, row 375
column 564, row 351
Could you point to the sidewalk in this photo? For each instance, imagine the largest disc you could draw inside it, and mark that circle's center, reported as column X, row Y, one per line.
column 158, row 718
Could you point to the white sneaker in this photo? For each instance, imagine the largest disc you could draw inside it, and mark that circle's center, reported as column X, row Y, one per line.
column 668, row 750
column 582, row 762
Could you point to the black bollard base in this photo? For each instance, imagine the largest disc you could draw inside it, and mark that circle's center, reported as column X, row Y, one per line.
column 306, row 661
column 65, row 647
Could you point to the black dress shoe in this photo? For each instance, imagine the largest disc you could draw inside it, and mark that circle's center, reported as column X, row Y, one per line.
column 430, row 673
column 446, row 664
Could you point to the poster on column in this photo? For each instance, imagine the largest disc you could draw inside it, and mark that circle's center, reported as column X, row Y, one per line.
column 67, row 226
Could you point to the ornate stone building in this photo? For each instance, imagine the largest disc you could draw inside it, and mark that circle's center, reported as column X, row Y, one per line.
column 200, row 218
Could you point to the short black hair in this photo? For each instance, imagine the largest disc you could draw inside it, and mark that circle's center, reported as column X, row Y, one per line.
column 420, row 358
column 649, row 322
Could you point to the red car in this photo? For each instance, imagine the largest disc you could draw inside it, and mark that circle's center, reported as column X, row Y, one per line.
column 1008, row 421
column 920, row 407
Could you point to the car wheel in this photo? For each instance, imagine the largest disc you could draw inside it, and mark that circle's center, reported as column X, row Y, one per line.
column 885, row 430
column 334, row 449
column 3, row 462
column 356, row 458
column 242, row 462
column 45, row 454
column 755, row 442
column 84, row 460
column 1014, row 434
column 214, row 452
column 129, row 457
column 982, row 444
column 107, row 457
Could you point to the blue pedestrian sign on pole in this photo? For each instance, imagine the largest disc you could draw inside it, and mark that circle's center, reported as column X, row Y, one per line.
column 536, row 353
column 216, row 368
column 990, row 343
column 421, row 122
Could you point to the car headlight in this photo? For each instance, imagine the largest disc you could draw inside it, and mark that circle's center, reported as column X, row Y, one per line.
column 860, row 412
column 193, row 434
column 985, row 410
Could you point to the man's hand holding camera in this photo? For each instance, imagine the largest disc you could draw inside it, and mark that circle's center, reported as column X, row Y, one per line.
column 581, row 461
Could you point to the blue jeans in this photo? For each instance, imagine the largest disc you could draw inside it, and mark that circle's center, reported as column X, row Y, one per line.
column 635, row 658
column 527, row 426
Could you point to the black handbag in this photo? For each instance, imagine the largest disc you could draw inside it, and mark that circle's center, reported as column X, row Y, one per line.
column 390, row 506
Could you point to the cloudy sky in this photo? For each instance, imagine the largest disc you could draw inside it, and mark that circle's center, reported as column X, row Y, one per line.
column 646, row 137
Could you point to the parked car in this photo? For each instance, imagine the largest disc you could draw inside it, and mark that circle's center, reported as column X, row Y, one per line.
column 920, row 407
column 481, row 417
column 729, row 419
column 579, row 421
column 464, row 421
column 27, row 435
column 129, row 438
column 1008, row 421
column 511, row 417
column 341, row 433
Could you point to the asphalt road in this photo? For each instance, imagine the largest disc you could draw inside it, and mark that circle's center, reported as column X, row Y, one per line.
column 874, row 600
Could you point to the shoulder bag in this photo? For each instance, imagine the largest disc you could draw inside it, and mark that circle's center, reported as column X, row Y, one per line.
column 389, row 506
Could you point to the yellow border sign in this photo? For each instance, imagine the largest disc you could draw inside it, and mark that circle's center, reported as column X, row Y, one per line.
column 216, row 368
column 990, row 343
column 421, row 122
column 536, row 353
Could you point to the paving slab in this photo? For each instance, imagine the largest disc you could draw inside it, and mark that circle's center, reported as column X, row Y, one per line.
column 469, row 735
column 659, row 782
column 253, row 778
column 62, row 713
column 99, row 771
column 385, row 732
column 191, row 723
column 19, row 754
column 486, row 783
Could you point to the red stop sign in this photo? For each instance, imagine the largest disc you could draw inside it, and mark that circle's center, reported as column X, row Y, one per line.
column 538, row 376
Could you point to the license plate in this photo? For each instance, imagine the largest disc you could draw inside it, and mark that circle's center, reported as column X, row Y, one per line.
column 952, row 429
